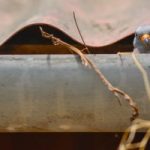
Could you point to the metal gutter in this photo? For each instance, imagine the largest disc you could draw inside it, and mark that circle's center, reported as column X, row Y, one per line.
column 57, row 93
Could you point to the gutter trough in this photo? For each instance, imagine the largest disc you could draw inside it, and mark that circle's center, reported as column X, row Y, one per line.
column 57, row 93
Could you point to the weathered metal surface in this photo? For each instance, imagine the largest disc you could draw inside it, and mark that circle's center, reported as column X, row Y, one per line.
column 102, row 22
column 57, row 93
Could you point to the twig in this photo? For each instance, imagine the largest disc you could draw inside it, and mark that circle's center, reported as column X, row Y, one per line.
column 144, row 74
column 129, row 135
column 75, row 20
column 87, row 62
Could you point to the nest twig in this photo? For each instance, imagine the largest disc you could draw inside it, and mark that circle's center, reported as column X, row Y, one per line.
column 144, row 75
column 127, row 142
column 87, row 62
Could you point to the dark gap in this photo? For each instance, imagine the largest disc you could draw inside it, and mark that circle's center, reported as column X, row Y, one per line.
column 62, row 141
column 59, row 141
column 30, row 41
column 32, row 35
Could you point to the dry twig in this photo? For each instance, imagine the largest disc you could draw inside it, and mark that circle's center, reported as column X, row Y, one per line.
column 75, row 20
column 87, row 62
column 129, row 135
column 144, row 74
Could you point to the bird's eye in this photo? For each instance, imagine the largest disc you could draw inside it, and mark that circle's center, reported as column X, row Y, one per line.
column 144, row 36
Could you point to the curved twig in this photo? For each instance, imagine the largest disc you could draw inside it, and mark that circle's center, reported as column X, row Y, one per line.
column 87, row 62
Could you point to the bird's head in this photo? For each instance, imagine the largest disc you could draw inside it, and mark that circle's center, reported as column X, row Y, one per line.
column 142, row 39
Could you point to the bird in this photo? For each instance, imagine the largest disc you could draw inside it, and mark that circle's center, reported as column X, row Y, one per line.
column 141, row 40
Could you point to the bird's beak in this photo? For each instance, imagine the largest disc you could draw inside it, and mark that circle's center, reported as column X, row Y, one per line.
column 145, row 38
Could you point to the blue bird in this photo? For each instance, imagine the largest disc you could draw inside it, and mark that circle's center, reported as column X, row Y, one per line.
column 142, row 39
